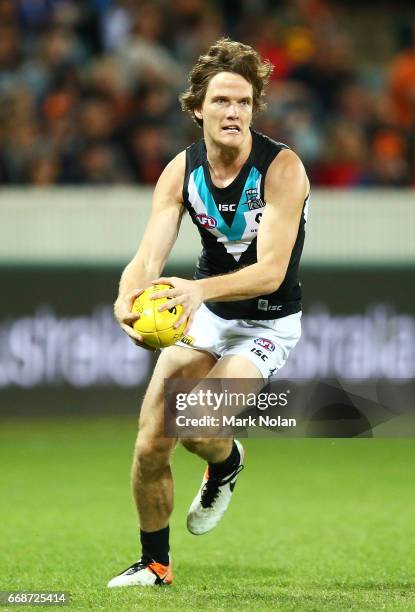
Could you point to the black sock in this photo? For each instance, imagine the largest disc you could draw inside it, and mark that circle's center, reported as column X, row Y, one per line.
column 222, row 469
column 155, row 545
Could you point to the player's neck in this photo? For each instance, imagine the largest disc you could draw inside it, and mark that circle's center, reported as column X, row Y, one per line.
column 226, row 162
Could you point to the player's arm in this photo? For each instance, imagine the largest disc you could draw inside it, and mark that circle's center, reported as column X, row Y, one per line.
column 158, row 240
column 286, row 187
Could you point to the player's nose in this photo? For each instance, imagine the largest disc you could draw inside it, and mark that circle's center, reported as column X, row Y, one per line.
column 232, row 111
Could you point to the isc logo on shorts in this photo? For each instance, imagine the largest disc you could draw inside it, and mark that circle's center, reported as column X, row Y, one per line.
column 206, row 220
column 266, row 344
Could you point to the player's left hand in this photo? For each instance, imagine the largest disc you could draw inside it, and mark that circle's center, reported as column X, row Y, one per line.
column 187, row 293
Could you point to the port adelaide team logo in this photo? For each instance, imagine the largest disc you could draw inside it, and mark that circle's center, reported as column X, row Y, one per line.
column 253, row 200
column 266, row 344
column 206, row 221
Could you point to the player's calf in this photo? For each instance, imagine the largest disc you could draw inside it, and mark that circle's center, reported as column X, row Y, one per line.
column 213, row 450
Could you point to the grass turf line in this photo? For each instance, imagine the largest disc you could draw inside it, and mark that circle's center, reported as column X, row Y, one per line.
column 314, row 525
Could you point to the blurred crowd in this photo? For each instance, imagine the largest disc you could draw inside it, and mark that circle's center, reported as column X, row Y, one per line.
column 89, row 88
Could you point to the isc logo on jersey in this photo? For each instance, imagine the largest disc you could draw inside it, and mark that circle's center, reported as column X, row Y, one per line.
column 266, row 344
column 206, row 221
column 227, row 207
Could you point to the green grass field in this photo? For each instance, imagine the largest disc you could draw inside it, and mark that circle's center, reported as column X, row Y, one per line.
column 314, row 525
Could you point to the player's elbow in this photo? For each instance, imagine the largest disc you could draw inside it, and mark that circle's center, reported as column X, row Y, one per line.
column 271, row 284
column 272, row 276
column 272, row 287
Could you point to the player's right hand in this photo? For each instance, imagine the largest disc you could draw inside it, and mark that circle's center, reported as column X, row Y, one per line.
column 126, row 318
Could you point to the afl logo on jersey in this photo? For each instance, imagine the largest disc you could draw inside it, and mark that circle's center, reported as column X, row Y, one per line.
column 206, row 221
column 266, row 344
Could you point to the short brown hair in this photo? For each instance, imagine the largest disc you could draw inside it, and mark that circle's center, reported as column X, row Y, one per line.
column 226, row 55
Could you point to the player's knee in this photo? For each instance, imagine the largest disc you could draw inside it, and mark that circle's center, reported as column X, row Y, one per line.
column 150, row 456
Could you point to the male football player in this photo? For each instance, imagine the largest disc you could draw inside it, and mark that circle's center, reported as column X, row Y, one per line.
column 247, row 196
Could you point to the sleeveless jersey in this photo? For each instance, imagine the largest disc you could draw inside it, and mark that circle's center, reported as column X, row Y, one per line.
column 228, row 220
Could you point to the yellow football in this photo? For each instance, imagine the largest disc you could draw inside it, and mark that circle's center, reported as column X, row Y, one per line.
column 155, row 327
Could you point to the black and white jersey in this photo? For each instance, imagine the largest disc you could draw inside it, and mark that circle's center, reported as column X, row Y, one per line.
column 228, row 220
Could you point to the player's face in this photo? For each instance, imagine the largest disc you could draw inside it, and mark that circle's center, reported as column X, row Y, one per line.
column 227, row 110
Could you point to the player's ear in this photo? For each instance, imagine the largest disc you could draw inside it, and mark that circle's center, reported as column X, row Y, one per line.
column 198, row 114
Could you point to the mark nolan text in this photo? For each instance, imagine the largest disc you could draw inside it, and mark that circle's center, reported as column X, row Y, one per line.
column 234, row 421
column 261, row 421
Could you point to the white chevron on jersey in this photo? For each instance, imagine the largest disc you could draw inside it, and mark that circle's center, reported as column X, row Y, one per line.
column 233, row 247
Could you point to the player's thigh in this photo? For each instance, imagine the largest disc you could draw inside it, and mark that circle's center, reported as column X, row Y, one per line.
column 174, row 362
column 234, row 366
column 227, row 367
column 247, row 376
